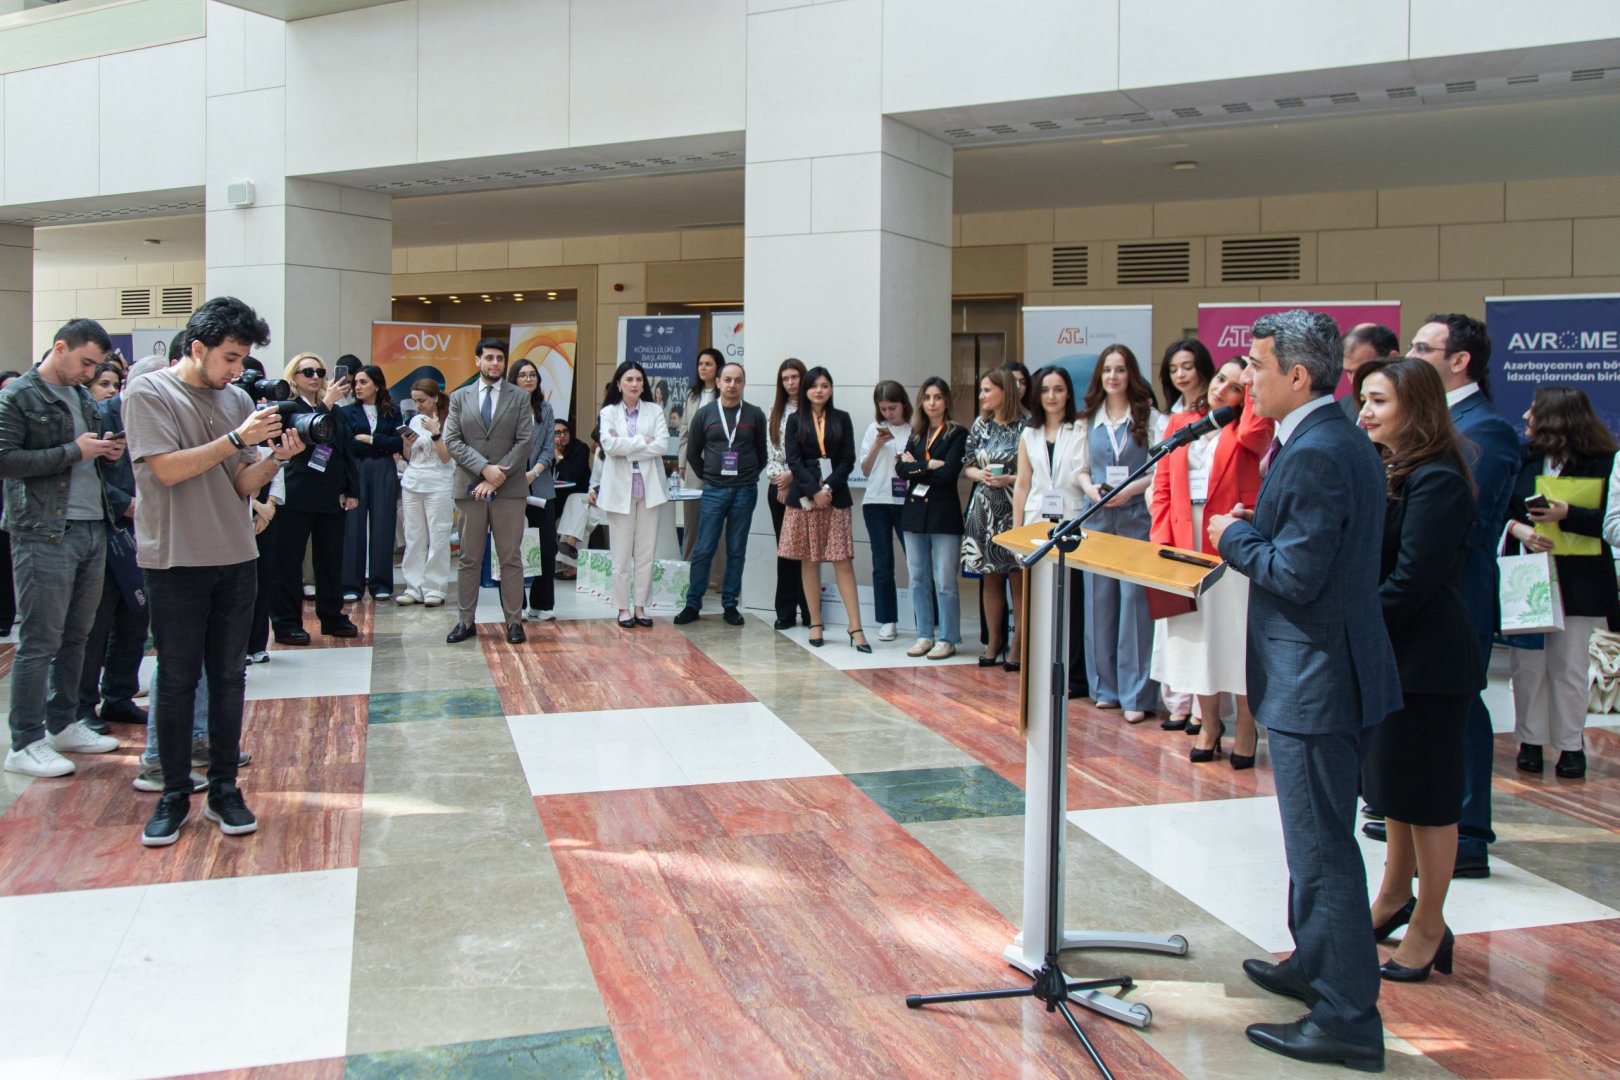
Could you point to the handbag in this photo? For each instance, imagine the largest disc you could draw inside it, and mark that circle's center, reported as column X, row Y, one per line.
column 125, row 571
column 1527, row 590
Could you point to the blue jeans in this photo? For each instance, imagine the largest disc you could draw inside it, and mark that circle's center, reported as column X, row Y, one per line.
column 932, row 562
column 199, row 720
column 883, row 527
column 733, row 509
column 58, row 593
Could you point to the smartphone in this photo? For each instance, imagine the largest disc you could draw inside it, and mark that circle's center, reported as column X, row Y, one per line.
column 1537, row 502
column 1193, row 560
column 1104, row 489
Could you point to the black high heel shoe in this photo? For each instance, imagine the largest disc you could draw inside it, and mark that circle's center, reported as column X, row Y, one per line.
column 994, row 658
column 1193, row 726
column 1238, row 761
column 862, row 646
column 1441, row 962
column 816, row 642
column 1173, row 722
column 1395, row 921
column 1199, row 755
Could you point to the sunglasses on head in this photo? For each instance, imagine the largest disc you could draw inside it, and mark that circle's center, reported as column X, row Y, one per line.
column 312, row 372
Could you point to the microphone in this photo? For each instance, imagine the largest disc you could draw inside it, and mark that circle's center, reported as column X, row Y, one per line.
column 1192, row 432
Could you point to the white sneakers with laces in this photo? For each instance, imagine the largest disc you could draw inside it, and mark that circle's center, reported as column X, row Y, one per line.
column 38, row 758
column 77, row 738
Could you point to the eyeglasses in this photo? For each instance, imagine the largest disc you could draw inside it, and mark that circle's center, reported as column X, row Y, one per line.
column 312, row 373
column 527, row 374
column 1422, row 349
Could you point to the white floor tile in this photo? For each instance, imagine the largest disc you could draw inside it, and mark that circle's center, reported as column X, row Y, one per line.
column 885, row 654
column 43, row 1016
column 300, row 673
column 66, row 933
column 1243, row 879
column 564, row 753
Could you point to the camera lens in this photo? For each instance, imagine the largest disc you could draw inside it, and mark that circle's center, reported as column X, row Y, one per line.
column 313, row 428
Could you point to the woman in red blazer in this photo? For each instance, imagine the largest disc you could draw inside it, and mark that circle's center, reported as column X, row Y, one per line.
column 1203, row 652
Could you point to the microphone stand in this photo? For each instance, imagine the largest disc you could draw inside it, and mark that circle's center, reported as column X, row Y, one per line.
column 1051, row 986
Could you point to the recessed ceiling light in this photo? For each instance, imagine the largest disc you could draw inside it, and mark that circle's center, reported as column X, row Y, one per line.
column 453, row 297
column 390, row 299
column 422, row 298
column 1185, row 166
column 517, row 296
column 551, row 296
column 153, row 241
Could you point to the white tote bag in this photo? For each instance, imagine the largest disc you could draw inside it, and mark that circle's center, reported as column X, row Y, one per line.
column 1528, row 590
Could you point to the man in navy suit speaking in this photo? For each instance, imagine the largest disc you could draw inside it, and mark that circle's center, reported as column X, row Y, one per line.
column 1320, row 674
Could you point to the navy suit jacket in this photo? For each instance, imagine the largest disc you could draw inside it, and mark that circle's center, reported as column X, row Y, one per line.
column 117, row 477
column 1319, row 659
column 1491, row 449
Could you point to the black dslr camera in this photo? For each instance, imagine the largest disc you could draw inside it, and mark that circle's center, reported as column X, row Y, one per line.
column 312, row 427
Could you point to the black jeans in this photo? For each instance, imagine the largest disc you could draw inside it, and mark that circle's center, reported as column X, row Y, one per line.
column 325, row 532
column 113, row 651
column 543, row 590
column 200, row 620
column 789, row 579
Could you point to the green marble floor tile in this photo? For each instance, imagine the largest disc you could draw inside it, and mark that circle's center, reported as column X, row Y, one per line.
column 561, row 1055
column 412, row 705
column 947, row 794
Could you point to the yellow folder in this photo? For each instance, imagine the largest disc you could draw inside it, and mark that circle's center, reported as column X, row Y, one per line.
column 1583, row 491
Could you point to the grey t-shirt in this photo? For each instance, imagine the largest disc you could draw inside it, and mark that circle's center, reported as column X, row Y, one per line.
column 197, row 522
column 84, row 490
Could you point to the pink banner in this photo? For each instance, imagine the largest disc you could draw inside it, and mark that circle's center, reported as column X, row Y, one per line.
column 1224, row 328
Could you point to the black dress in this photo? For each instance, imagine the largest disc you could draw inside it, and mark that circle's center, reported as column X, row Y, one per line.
column 1413, row 770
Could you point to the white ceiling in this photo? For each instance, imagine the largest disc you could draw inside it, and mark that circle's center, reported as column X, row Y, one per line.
column 1573, row 136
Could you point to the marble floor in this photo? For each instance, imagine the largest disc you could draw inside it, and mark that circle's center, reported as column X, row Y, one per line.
column 714, row 851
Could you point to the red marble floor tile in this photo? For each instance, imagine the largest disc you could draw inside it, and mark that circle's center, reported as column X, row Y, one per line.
column 82, row 832
column 591, row 665
column 1594, row 799
column 360, row 612
column 1111, row 763
column 641, row 816
column 822, row 803
column 730, row 872
column 1536, row 1002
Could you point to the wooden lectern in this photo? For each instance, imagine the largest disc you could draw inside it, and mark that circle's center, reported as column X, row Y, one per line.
column 1140, row 563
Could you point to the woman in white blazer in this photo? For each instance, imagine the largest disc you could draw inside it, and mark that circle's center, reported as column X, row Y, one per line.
column 1052, row 450
column 633, row 436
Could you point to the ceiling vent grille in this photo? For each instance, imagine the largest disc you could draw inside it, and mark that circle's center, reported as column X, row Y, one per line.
column 133, row 302
column 176, row 300
column 1270, row 258
column 1166, row 262
column 1071, row 266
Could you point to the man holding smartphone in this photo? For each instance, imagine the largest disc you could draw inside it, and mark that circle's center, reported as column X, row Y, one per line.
column 52, row 449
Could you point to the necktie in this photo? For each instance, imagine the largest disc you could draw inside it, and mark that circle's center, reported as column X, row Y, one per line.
column 487, row 409
column 1271, row 454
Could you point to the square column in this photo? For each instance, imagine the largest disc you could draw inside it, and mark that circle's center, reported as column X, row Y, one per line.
column 17, row 296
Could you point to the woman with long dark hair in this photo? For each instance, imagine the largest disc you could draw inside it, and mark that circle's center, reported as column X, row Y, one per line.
column 1413, row 766
column 885, row 496
column 820, row 446
column 374, row 439
column 991, row 463
column 541, row 480
column 1120, row 422
column 1550, row 685
column 932, row 520
column 633, row 437
column 1185, row 372
column 790, row 599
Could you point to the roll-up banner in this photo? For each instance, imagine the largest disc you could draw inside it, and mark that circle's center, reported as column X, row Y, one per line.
column 550, row 347
column 1224, row 328
column 1073, row 338
column 1555, row 341
column 410, row 351
column 666, row 347
column 726, row 333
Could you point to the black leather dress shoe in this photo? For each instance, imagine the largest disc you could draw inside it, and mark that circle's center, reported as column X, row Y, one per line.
column 1529, row 759
column 1376, row 830
column 462, row 632
column 341, row 629
column 1280, row 980
column 123, row 712
column 642, row 620
column 292, row 637
column 783, row 624
column 733, row 617
column 1571, row 764
column 1304, row 1041
column 1472, row 867
column 515, row 634
column 687, row 614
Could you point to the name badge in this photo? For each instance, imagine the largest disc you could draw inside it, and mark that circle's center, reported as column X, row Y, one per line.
column 898, row 486
column 826, row 467
column 1116, row 475
column 728, row 463
column 1052, row 504
column 921, row 491
column 318, row 459
column 1198, row 486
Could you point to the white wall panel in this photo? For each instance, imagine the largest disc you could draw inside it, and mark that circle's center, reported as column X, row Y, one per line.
column 338, row 241
column 940, row 53
column 264, row 52
column 152, row 112
column 916, row 202
column 846, row 192
column 470, row 108
column 816, row 81
column 351, row 88
column 1166, row 42
column 841, row 272
column 246, row 142
column 1449, row 27
column 776, row 198
column 227, row 49
column 50, row 151
column 655, row 70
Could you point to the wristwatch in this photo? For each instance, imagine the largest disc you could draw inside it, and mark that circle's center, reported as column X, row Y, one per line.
column 435, row 436
column 236, row 440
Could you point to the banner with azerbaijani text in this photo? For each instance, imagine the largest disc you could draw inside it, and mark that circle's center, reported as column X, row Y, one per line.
column 550, row 347
column 410, row 351
column 1224, row 328
column 1073, row 338
column 1555, row 341
column 726, row 334
column 666, row 347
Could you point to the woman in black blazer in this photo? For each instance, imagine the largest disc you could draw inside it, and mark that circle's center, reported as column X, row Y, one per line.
column 1413, row 769
column 374, row 439
column 931, row 520
column 1551, row 684
column 820, row 447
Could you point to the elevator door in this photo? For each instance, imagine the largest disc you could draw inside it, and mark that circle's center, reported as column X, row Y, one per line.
column 971, row 356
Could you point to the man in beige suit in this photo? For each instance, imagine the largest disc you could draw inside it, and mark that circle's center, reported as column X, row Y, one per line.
column 488, row 433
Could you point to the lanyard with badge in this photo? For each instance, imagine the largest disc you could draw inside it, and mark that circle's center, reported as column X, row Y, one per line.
column 1053, row 504
column 728, row 456
column 1115, row 474
column 821, row 440
column 921, row 490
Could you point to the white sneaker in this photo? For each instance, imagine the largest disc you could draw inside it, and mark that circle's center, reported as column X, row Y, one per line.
column 76, row 738
column 545, row 615
column 38, row 758
column 150, row 779
column 886, row 631
column 384, row 595
column 433, row 600
column 258, row 658
column 405, row 598
column 943, row 650
column 921, row 648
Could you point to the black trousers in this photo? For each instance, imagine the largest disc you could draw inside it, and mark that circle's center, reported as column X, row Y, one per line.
column 325, row 532
column 200, row 623
column 543, row 590
column 259, row 630
column 1079, row 687
column 789, row 580
column 112, row 653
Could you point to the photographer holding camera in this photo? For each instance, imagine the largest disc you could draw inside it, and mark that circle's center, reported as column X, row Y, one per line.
column 322, row 485
column 193, row 438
